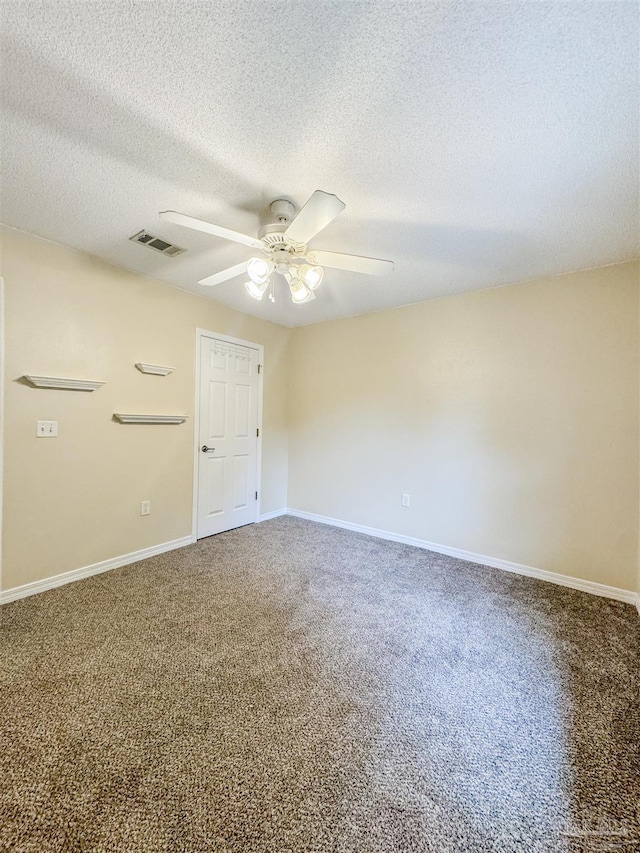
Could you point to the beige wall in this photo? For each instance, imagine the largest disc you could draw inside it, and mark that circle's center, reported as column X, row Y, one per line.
column 510, row 416
column 75, row 500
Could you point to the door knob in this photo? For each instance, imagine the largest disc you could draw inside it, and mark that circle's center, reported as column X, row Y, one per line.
column 206, row 449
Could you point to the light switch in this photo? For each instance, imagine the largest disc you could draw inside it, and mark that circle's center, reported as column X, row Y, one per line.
column 47, row 429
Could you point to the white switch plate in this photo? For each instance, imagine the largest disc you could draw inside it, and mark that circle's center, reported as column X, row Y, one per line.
column 47, row 429
column 145, row 508
column 406, row 500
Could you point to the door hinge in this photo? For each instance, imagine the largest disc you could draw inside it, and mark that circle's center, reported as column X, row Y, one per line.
column 258, row 432
column 256, row 496
column 259, row 368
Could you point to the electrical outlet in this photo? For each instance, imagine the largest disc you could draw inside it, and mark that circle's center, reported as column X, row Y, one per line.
column 47, row 429
column 406, row 500
column 145, row 508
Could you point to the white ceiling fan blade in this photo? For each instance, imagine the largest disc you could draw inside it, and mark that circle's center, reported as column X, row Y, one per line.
column 353, row 263
column 321, row 209
column 209, row 228
column 224, row 275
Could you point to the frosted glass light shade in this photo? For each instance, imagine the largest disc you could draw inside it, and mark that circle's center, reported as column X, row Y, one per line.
column 312, row 276
column 300, row 292
column 259, row 269
column 256, row 290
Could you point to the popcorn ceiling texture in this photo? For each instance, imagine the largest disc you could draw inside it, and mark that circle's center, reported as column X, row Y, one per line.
column 293, row 688
column 475, row 144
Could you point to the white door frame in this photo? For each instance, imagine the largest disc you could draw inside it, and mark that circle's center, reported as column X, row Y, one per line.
column 206, row 333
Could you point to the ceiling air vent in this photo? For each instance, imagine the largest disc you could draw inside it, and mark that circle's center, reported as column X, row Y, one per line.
column 156, row 243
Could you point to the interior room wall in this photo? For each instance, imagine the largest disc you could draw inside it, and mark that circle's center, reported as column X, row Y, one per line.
column 510, row 417
column 74, row 500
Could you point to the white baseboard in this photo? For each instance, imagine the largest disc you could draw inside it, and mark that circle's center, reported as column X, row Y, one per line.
column 541, row 574
column 87, row 571
column 116, row 562
column 274, row 514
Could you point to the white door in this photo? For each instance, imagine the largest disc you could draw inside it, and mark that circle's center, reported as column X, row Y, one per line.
column 227, row 445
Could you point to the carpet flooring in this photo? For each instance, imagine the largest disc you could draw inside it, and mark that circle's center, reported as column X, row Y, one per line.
column 290, row 687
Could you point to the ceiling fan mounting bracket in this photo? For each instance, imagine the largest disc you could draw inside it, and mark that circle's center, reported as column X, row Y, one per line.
column 283, row 210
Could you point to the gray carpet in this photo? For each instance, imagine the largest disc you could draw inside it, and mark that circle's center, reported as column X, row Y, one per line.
column 293, row 687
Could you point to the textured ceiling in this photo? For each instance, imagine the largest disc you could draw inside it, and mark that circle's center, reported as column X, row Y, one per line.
column 475, row 144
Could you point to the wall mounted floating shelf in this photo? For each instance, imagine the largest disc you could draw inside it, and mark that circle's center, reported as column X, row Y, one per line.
column 64, row 384
column 156, row 369
column 150, row 419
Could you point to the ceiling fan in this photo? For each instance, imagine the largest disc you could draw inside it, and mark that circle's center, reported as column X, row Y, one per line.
column 284, row 242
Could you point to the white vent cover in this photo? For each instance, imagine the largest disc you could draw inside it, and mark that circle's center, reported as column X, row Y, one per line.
column 157, row 243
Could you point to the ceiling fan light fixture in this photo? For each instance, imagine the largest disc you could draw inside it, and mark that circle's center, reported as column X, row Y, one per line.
column 312, row 276
column 256, row 289
column 300, row 292
column 259, row 269
column 284, row 240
